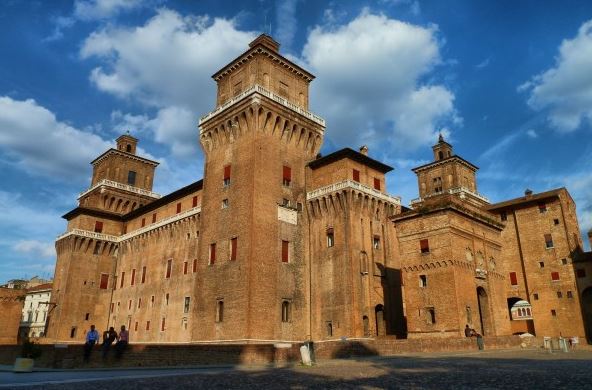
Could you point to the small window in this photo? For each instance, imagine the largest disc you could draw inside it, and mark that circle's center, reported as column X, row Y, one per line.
column 286, row 311
column 569, row 294
column 73, row 332
column 186, row 305
column 559, row 294
column 548, row 241
column 356, row 175
column 98, row 227
column 376, row 242
column 143, row 222
column 286, row 202
column 194, row 202
column 226, row 181
column 139, row 303
column 194, row 265
column 504, row 216
column 152, row 301
column 541, row 264
column 535, row 296
column 87, row 316
column 553, row 313
column 147, row 325
column 233, row 247
column 136, row 327
column 129, row 305
column 224, row 203
column 377, row 184
column 299, row 207
column 133, row 281
column 542, row 208
column 219, row 310
column 329, row 329
column 104, row 283
column 166, row 299
column 554, row 276
column 513, row 279
column 143, row 274
column 423, row 280
column 212, row 258
column 285, row 251
column 580, row 272
column 330, row 238
column 286, row 176
column 178, row 208
column 424, row 245
column 184, row 268
column 556, row 221
column 122, row 279
column 128, row 148
column 563, row 261
column 163, row 324
column 131, row 178
column 154, row 218
column 431, row 315
column 169, row 268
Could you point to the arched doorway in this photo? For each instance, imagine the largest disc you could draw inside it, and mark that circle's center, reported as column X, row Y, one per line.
column 484, row 316
column 521, row 317
column 380, row 328
column 587, row 312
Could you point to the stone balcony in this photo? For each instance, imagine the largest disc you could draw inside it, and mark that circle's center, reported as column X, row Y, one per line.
column 319, row 192
column 113, row 184
column 462, row 192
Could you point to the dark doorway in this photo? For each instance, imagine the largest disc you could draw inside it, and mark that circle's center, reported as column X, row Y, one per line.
column 484, row 316
column 366, row 326
column 587, row 312
column 380, row 328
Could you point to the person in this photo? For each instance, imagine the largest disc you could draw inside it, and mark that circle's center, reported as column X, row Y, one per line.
column 108, row 339
column 122, row 343
column 468, row 331
column 479, row 341
column 574, row 341
column 91, row 338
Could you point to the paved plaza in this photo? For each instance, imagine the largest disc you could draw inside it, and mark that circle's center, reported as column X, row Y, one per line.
column 533, row 369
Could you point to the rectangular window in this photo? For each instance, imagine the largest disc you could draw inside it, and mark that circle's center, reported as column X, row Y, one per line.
column 226, row 180
column 136, row 327
column 286, row 311
column 131, row 178
column 219, row 311
column 535, row 296
column 143, row 222
column 285, row 251
column 212, row 258
column 166, row 299
column 194, row 265
column 554, row 276
column 513, row 279
column 541, row 264
column 555, row 221
column 569, row 294
column 580, row 272
column 233, row 247
column 194, row 202
column 133, row 277
column 330, row 238
column 129, row 305
column 185, row 268
column 169, row 268
column 287, row 176
column 548, row 241
column 154, row 218
column 152, row 301
column 122, row 278
column 139, row 303
column 104, row 281
column 178, row 208
column 559, row 294
column 564, row 261
column 98, row 227
column 553, row 313
column 186, row 305
column 224, row 203
column 424, row 246
column 423, row 280
column 376, row 242
column 504, row 216
column 143, row 274
column 542, row 208
column 163, row 324
column 356, row 175
column 377, row 184
column 147, row 325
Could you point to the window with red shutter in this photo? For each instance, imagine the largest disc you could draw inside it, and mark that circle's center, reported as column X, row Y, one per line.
column 194, row 203
column 154, row 218
column 98, row 227
column 542, row 208
column 285, row 251
column 233, row 244
column 548, row 241
column 356, row 175
column 377, row 184
column 104, row 281
column 178, row 208
column 133, row 277
column 143, row 222
column 143, row 274
column 513, row 279
column 185, row 268
column 287, row 176
column 212, row 253
column 169, row 268
column 424, row 246
column 554, row 275
column 226, row 181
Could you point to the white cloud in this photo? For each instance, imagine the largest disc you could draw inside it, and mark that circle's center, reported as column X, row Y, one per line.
column 286, row 22
column 532, row 133
column 368, row 81
column 565, row 90
column 41, row 144
column 35, row 248
column 103, row 9
column 483, row 64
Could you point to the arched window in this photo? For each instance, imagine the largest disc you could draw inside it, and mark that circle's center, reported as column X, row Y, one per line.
column 286, row 311
column 440, row 155
column 329, row 329
column 128, row 148
column 431, row 315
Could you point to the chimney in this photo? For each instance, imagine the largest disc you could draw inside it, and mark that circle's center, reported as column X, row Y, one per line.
column 528, row 192
column 364, row 150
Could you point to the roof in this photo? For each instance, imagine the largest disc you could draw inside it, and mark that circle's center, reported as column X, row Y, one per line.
column 91, row 211
column 352, row 155
column 444, row 160
column 527, row 199
column 41, row 287
column 131, row 155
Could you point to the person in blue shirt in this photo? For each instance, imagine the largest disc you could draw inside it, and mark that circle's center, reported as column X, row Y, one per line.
column 92, row 337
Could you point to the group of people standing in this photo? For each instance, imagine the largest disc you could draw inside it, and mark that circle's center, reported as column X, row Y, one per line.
column 109, row 337
column 470, row 332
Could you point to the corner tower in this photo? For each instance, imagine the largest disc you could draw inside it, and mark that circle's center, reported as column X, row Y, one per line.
column 257, row 142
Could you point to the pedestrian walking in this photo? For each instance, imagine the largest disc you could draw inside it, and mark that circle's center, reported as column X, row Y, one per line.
column 122, row 343
column 91, row 339
column 111, row 336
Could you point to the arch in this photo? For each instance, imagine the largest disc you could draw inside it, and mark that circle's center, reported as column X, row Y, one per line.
column 128, row 148
column 380, row 326
column 484, row 312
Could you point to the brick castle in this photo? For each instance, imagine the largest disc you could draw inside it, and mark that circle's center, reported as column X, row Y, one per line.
column 279, row 244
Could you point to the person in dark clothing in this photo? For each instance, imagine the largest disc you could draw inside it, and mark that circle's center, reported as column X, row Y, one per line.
column 122, row 343
column 468, row 331
column 91, row 338
column 107, row 341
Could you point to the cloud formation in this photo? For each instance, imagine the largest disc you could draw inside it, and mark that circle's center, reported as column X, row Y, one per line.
column 35, row 248
column 369, row 73
column 103, row 9
column 565, row 90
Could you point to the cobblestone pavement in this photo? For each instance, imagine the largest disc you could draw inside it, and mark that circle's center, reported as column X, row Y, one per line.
column 487, row 370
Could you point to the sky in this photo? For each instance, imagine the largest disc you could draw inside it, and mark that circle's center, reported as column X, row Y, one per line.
column 508, row 83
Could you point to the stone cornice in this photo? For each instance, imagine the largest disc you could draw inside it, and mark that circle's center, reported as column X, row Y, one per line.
column 445, row 161
column 461, row 191
column 257, row 89
column 120, row 186
column 128, row 236
column 124, row 154
column 319, row 192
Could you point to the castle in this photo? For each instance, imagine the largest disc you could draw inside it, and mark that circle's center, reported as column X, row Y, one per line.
column 279, row 244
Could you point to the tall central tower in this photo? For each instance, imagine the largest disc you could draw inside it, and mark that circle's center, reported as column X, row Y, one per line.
column 257, row 142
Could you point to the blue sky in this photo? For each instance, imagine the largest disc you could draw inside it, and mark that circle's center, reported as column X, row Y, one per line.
column 508, row 83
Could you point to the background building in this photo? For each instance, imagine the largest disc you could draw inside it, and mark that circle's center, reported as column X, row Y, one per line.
column 36, row 307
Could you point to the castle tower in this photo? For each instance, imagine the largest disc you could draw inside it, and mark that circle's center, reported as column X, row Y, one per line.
column 257, row 142
column 87, row 251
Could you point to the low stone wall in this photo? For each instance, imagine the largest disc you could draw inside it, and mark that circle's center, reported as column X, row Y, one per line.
column 143, row 355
